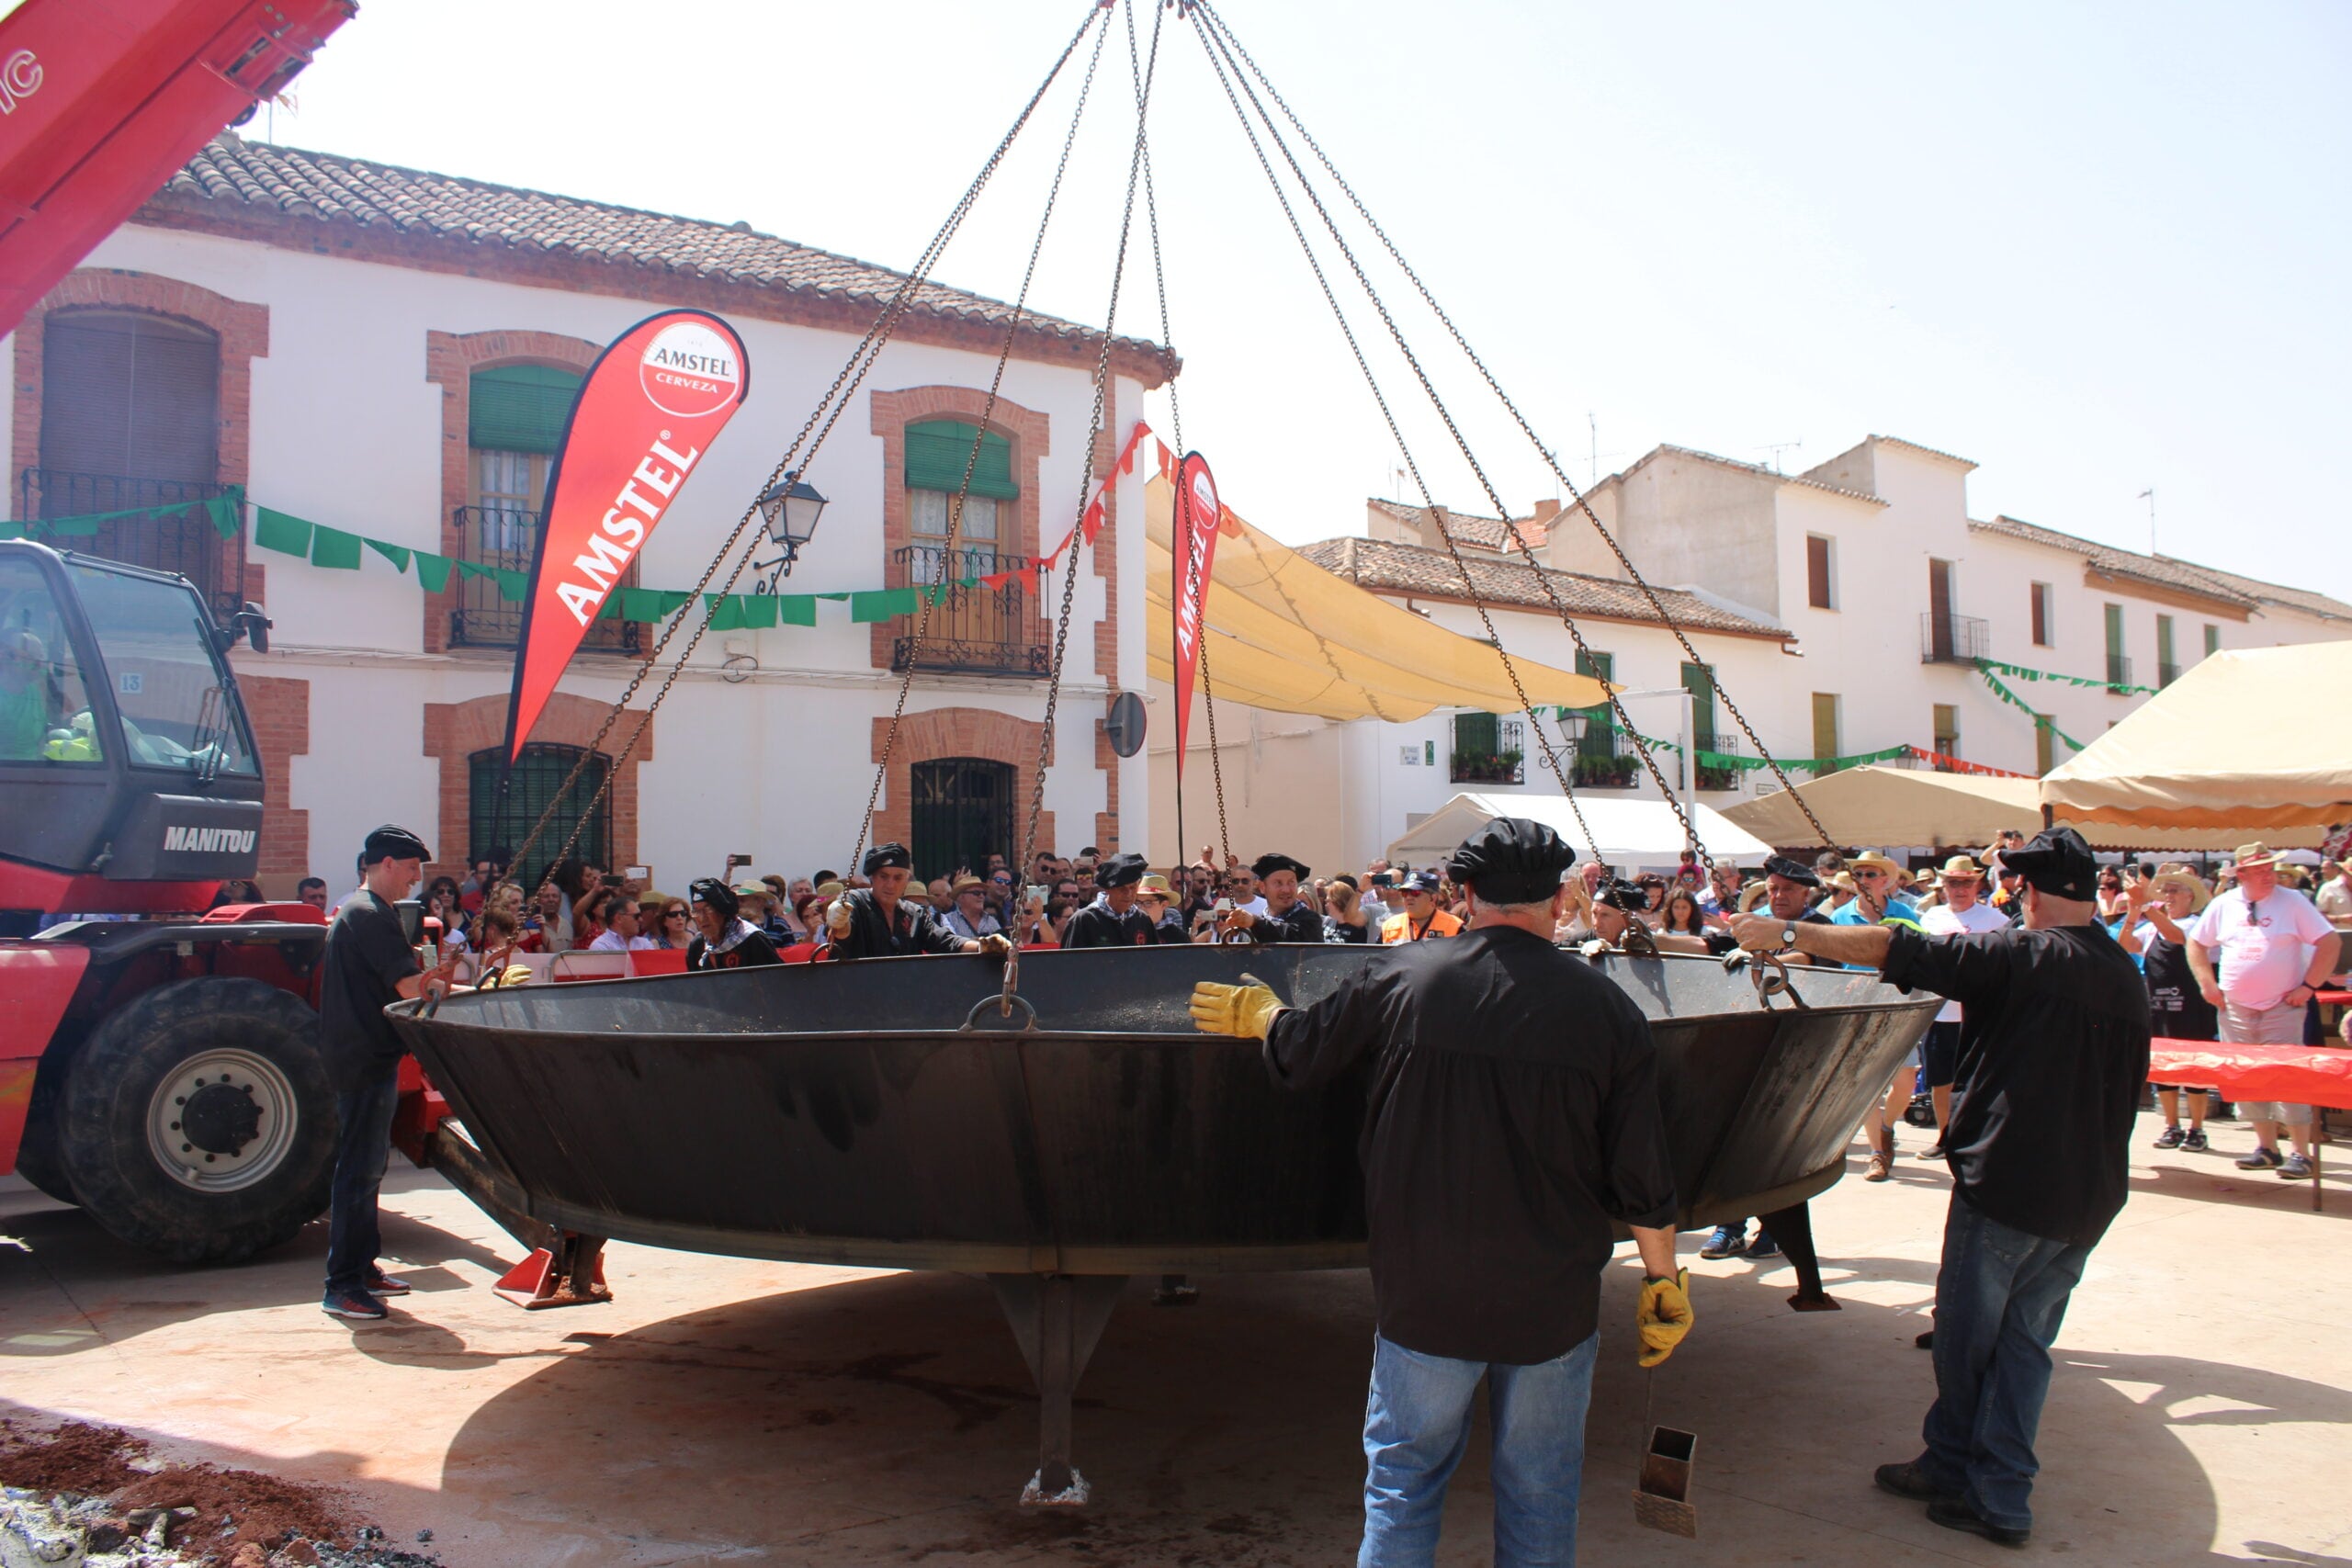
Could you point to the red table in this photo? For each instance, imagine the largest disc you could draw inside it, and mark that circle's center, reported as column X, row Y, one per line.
column 2299, row 1075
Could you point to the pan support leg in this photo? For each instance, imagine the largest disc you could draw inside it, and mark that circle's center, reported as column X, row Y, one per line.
column 1056, row 1319
column 1793, row 1228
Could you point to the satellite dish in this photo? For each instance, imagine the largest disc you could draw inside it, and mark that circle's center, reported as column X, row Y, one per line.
column 1125, row 723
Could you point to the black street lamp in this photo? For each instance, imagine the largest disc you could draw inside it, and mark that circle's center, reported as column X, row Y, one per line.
column 790, row 510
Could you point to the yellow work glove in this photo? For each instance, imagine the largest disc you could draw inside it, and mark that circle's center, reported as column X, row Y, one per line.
column 1242, row 1010
column 1664, row 1316
column 515, row 975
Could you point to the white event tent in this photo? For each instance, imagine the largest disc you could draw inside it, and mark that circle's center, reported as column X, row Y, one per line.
column 1634, row 835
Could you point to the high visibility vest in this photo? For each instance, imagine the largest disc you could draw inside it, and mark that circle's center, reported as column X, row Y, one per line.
column 1400, row 928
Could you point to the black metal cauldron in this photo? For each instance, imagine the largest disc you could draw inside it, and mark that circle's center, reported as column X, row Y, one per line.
column 891, row 1114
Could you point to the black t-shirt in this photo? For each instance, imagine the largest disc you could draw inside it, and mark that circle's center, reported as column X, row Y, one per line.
column 2050, row 1070
column 1513, row 1116
column 1098, row 925
column 2177, row 1008
column 1298, row 923
column 367, row 956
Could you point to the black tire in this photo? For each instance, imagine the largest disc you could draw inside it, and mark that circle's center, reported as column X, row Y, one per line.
column 122, row 1086
column 36, row 1161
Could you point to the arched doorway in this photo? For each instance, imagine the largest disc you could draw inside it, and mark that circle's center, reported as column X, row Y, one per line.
column 962, row 814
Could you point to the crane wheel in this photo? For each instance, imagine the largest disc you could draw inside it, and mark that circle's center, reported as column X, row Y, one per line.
column 198, row 1121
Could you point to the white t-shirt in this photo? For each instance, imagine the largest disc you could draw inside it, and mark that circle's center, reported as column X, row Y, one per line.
column 608, row 941
column 1942, row 919
column 2261, row 961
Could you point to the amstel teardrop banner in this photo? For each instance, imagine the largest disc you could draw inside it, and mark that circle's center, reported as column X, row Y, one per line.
column 1198, row 513
column 653, row 402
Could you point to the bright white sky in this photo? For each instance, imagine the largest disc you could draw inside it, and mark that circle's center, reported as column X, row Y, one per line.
column 2096, row 248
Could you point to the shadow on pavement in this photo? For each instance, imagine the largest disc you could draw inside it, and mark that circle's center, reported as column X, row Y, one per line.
column 891, row 1420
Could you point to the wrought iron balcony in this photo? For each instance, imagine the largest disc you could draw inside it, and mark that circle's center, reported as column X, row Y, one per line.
column 187, row 545
column 2166, row 673
column 505, row 538
column 2119, row 670
column 978, row 630
column 1601, row 756
column 1718, row 776
column 1952, row 640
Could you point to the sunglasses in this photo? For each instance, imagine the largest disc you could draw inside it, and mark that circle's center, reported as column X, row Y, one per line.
column 1868, row 875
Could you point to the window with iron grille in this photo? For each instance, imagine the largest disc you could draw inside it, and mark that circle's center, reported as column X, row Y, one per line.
column 1488, row 749
column 130, row 418
column 516, row 416
column 496, row 823
column 982, row 627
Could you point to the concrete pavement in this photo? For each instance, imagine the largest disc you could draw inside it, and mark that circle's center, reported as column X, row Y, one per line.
column 728, row 1410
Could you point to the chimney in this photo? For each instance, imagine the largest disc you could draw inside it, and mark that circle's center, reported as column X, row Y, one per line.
column 1435, row 520
column 1546, row 511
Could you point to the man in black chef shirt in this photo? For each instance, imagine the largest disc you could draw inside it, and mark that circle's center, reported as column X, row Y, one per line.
column 1112, row 919
column 1288, row 917
column 1514, row 1086
column 2052, row 1067
column 877, row 922
column 368, row 965
column 722, row 939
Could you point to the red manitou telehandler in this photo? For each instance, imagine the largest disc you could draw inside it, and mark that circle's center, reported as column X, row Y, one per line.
column 158, row 1059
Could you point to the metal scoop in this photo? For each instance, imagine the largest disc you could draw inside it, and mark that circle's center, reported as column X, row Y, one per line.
column 1662, row 1500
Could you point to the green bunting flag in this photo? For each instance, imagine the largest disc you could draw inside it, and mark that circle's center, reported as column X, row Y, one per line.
column 2041, row 722
column 396, row 554
column 334, row 547
column 432, row 570
column 281, row 532
column 2020, row 673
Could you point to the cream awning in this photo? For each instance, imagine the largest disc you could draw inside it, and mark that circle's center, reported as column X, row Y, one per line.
column 1283, row 634
column 2241, row 742
column 1634, row 835
column 1897, row 807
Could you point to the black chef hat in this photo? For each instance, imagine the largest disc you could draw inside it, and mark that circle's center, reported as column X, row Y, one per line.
column 1618, row 893
column 1118, row 871
column 1793, row 870
column 392, row 841
column 1265, row 866
column 1512, row 861
column 2058, row 863
column 717, row 895
column 888, row 854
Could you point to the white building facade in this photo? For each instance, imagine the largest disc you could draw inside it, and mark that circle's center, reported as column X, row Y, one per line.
column 1849, row 610
column 378, row 350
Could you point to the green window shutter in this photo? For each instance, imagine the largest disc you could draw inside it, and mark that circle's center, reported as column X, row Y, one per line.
column 1475, row 733
column 1825, row 728
column 520, row 408
column 1598, row 739
column 1699, row 680
column 937, row 450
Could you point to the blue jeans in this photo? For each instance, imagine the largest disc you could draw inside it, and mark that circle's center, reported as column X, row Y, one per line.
column 2000, row 1296
column 1416, row 1424
column 364, row 1146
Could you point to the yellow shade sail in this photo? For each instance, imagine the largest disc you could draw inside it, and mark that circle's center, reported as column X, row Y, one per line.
column 1282, row 633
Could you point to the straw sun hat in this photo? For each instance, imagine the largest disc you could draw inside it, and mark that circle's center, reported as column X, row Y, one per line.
column 2177, row 875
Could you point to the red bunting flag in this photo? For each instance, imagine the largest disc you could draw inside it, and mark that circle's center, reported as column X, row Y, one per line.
column 652, row 404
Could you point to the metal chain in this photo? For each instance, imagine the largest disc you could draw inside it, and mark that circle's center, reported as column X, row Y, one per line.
column 1633, row 572
column 1462, row 567
column 1095, row 434
column 1215, row 42
column 972, row 460
column 828, row 407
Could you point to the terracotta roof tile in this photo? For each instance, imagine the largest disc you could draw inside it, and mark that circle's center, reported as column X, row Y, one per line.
column 1468, row 529
column 1382, row 565
column 325, row 187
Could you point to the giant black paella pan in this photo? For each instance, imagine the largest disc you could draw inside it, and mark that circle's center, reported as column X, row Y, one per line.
column 889, row 1114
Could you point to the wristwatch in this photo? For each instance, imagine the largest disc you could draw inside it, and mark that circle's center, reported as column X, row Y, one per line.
column 1789, row 935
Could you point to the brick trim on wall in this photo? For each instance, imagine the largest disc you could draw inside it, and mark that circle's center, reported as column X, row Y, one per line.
column 451, row 361
column 937, row 733
column 242, row 329
column 1030, row 433
column 455, row 731
column 279, row 709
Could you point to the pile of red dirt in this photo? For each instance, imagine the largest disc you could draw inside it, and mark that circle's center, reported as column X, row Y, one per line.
column 263, row 1511
column 92, row 1461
